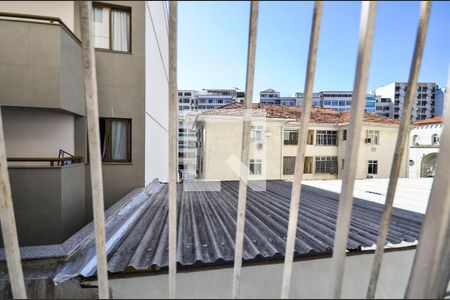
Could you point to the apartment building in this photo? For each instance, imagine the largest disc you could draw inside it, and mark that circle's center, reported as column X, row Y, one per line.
column 384, row 106
column 342, row 101
column 43, row 108
column 441, row 105
column 190, row 102
column 424, row 145
column 274, row 142
column 301, row 99
column 424, row 103
column 270, row 96
column 337, row 100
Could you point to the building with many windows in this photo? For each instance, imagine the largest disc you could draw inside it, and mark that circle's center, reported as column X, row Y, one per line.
column 424, row 103
column 44, row 116
column 441, row 105
column 274, row 140
column 270, row 96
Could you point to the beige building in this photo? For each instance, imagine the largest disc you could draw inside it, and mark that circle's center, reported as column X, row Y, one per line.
column 274, row 139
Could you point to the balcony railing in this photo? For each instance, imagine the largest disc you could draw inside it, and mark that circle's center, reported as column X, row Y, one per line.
column 52, row 160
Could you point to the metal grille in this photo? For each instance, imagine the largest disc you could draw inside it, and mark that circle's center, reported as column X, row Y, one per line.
column 430, row 272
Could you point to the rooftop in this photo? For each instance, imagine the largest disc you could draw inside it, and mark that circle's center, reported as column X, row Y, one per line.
column 137, row 239
column 318, row 115
column 429, row 121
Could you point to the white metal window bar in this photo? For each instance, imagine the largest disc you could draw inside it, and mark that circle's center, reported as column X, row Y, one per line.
column 400, row 146
column 368, row 11
column 173, row 121
column 239, row 244
column 8, row 222
column 300, row 156
column 90, row 83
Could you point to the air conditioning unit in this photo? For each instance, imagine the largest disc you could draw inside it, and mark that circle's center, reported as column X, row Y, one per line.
column 369, row 176
column 259, row 146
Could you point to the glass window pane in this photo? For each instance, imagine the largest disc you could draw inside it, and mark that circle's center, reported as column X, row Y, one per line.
column 101, row 27
column 119, row 140
column 120, row 30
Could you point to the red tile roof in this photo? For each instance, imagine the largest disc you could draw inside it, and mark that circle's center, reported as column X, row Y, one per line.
column 429, row 121
column 318, row 115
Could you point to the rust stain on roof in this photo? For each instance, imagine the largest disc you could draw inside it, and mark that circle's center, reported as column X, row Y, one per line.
column 429, row 121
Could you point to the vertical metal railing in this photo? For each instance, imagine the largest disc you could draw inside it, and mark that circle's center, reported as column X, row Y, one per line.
column 90, row 84
column 8, row 223
column 239, row 244
column 430, row 273
column 401, row 144
column 299, row 160
column 173, row 122
column 368, row 11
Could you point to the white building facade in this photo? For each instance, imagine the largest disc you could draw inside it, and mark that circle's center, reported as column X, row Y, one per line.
column 424, row 147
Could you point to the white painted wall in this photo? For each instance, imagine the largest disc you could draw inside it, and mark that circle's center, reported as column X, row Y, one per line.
column 59, row 9
column 37, row 132
column 310, row 279
column 424, row 135
column 156, row 91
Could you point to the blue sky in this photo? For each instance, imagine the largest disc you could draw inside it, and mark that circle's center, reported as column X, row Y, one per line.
column 212, row 45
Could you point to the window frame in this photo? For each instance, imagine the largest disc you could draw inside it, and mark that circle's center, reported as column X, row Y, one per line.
column 326, row 137
column 291, row 140
column 372, row 163
column 116, row 7
column 254, row 161
column 129, row 141
column 326, row 169
column 374, row 136
column 285, row 162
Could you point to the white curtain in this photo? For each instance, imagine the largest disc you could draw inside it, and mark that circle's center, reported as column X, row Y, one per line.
column 120, row 31
column 118, row 140
column 101, row 27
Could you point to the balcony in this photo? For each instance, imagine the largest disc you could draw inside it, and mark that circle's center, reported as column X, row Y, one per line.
column 40, row 64
column 49, row 201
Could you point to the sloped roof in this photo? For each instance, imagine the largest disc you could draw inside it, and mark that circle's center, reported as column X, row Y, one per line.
column 318, row 115
column 269, row 91
column 429, row 121
column 207, row 224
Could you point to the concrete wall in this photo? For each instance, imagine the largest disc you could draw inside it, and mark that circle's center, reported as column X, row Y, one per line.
column 59, row 9
column 383, row 152
column 121, row 94
column 310, row 279
column 156, row 92
column 37, row 132
column 40, row 66
column 48, row 203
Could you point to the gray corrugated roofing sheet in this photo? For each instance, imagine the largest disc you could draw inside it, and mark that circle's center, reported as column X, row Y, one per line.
column 207, row 220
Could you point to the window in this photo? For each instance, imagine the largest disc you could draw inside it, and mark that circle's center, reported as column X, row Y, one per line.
column 435, row 139
column 344, row 135
column 255, row 166
column 373, row 137
column 372, row 167
column 326, row 164
column 256, row 133
column 290, row 137
column 342, row 164
column 326, row 137
column 288, row 165
column 115, row 140
column 112, row 27
column 415, row 139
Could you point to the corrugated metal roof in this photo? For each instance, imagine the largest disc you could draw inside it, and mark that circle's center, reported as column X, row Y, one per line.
column 206, row 228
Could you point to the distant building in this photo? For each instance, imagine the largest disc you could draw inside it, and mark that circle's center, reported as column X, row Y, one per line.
column 342, row 101
column 383, row 106
column 336, row 100
column 441, row 105
column 424, row 103
column 271, row 96
column 190, row 102
column 301, row 99
column 274, row 140
column 424, row 147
